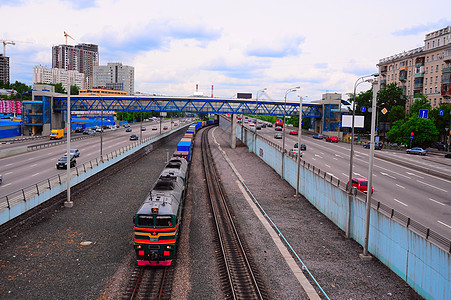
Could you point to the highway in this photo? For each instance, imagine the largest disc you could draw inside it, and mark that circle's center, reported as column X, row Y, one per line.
column 26, row 169
column 424, row 198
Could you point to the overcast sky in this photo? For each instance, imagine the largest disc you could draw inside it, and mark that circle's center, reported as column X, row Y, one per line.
column 237, row 46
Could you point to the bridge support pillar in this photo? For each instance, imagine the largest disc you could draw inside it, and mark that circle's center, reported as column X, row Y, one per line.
column 233, row 132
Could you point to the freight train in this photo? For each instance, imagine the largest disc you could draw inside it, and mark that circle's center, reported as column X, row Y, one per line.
column 157, row 222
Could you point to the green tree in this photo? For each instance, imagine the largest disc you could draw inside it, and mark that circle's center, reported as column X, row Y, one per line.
column 397, row 112
column 74, row 90
column 59, row 88
column 421, row 103
column 442, row 121
column 425, row 132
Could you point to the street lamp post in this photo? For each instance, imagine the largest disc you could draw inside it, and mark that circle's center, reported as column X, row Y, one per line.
column 283, row 124
column 68, row 202
column 256, row 121
column 101, row 128
column 370, row 172
column 351, row 155
column 298, row 158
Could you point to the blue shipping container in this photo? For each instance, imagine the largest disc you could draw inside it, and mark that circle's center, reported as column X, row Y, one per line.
column 185, row 146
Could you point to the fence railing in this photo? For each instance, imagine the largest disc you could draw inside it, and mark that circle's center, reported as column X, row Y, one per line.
column 28, row 192
column 420, row 229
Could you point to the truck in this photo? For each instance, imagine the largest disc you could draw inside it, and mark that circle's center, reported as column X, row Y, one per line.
column 56, row 134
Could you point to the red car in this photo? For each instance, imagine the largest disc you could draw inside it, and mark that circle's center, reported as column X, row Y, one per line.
column 332, row 139
column 293, row 132
column 361, row 184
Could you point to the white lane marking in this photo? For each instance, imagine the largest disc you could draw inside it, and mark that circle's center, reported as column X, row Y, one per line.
column 338, row 156
column 437, row 201
column 400, row 202
column 357, row 174
column 313, row 158
column 6, row 184
column 30, row 158
column 36, row 174
column 444, row 224
column 8, row 173
column 345, row 174
column 8, row 165
column 432, row 186
column 388, row 175
column 335, row 158
column 400, row 186
column 412, row 174
column 318, row 156
column 327, row 165
column 332, row 175
column 33, row 165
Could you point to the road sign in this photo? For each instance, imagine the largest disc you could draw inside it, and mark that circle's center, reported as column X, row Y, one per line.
column 412, row 133
column 441, row 112
column 384, row 111
column 362, row 109
column 411, row 137
column 423, row 114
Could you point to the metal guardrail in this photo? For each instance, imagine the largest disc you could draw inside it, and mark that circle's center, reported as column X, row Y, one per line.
column 427, row 233
column 26, row 193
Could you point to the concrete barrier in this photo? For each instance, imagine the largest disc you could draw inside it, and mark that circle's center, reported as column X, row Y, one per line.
column 14, row 151
column 422, row 264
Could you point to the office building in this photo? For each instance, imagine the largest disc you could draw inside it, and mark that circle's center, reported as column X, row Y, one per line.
column 81, row 58
column 4, row 68
column 43, row 74
column 115, row 76
column 421, row 71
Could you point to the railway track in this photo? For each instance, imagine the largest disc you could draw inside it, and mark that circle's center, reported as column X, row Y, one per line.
column 237, row 271
column 150, row 283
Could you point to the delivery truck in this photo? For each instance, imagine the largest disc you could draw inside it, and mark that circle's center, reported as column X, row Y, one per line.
column 56, row 134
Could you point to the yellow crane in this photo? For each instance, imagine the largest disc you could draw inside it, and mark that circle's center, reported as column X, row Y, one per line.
column 8, row 42
column 66, row 35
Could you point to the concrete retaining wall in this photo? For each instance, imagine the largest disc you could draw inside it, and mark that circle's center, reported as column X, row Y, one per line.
column 423, row 265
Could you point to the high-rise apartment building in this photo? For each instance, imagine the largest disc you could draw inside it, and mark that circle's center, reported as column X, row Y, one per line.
column 115, row 76
column 81, row 58
column 4, row 68
column 421, row 71
column 42, row 74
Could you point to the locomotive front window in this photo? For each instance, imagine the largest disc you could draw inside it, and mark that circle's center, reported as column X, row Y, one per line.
column 145, row 220
column 164, row 221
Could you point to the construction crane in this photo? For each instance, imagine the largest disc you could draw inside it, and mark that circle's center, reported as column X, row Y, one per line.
column 7, row 42
column 4, row 46
column 66, row 35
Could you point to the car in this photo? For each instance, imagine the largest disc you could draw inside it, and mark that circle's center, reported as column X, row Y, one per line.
column 318, row 136
column 74, row 152
column 303, row 146
column 294, row 132
column 1, row 178
column 99, row 129
column 332, row 139
column 154, row 128
column 278, row 128
column 175, row 124
column 143, row 128
column 128, row 129
column 361, row 184
column 258, row 127
column 294, row 151
column 278, row 135
column 165, row 127
column 377, row 146
column 440, row 146
column 252, row 128
column 62, row 162
column 448, row 155
column 126, row 125
column 416, row 150
column 89, row 132
column 79, row 130
column 269, row 124
column 133, row 137
column 264, row 125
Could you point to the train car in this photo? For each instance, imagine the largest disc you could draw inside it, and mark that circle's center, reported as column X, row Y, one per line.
column 157, row 222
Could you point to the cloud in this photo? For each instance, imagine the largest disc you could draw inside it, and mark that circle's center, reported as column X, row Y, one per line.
column 81, row 4
column 359, row 69
column 321, row 65
column 277, row 49
column 417, row 29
